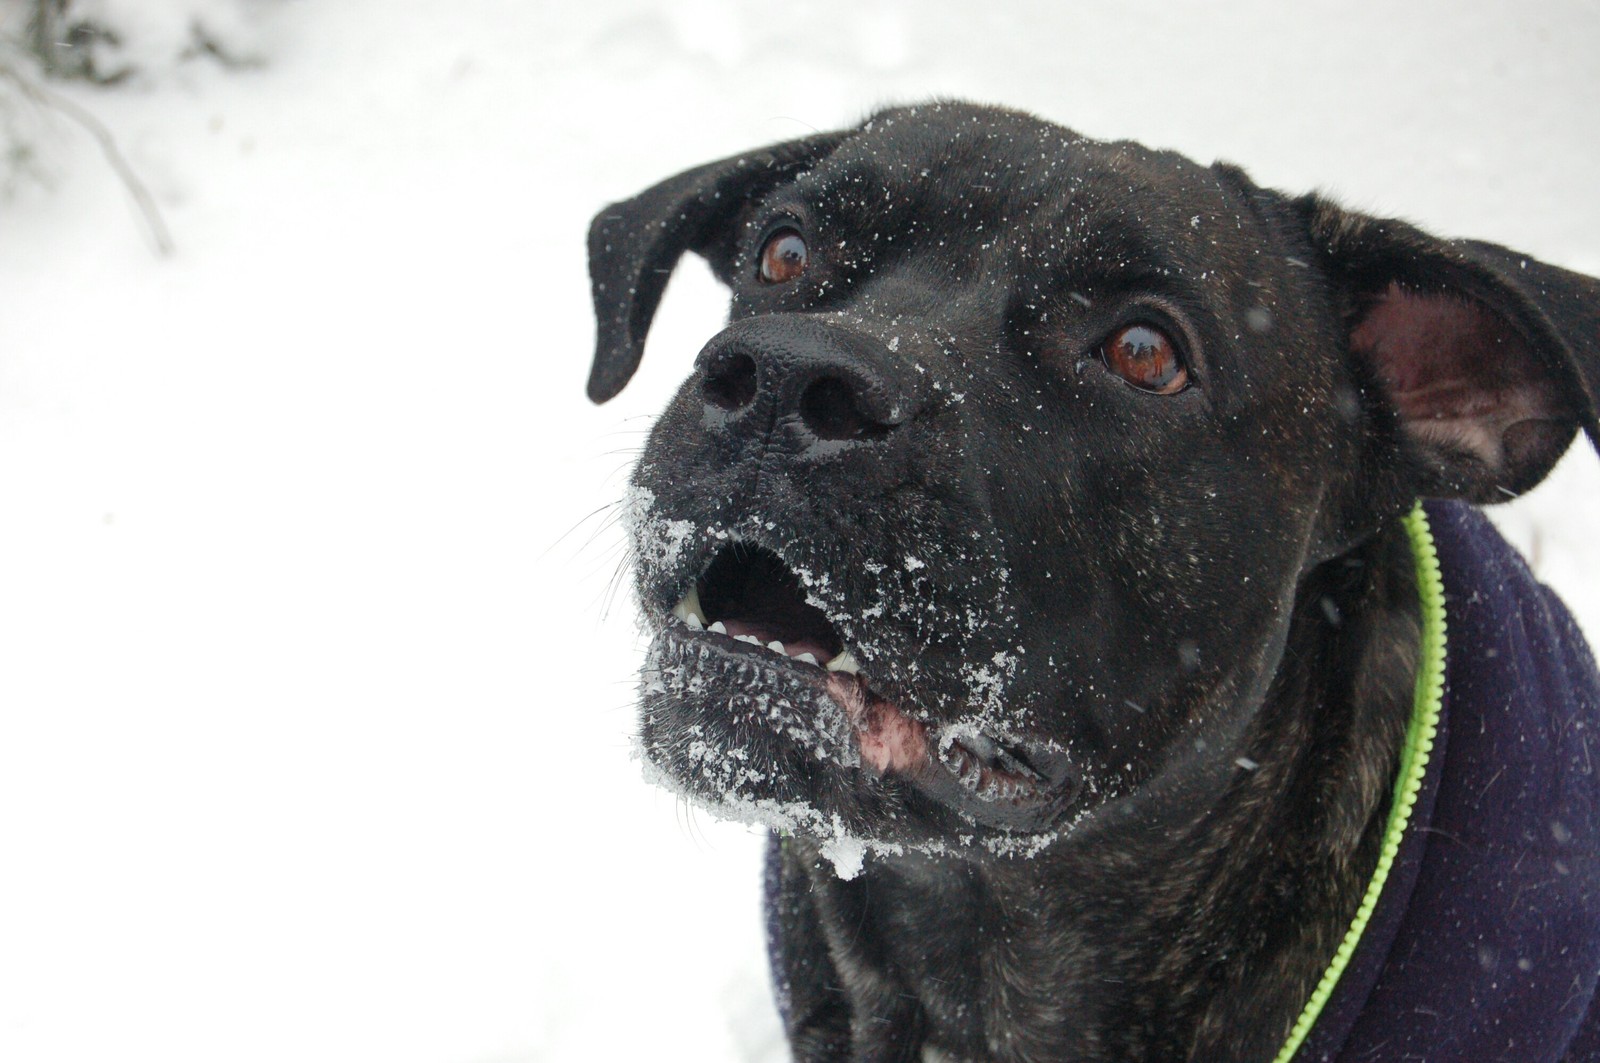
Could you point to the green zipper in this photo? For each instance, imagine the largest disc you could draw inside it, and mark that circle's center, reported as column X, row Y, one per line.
column 1413, row 765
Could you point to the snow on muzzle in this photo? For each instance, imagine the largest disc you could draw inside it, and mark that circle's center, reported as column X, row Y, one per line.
column 749, row 611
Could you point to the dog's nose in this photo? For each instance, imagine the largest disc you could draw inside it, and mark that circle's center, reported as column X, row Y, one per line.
column 817, row 380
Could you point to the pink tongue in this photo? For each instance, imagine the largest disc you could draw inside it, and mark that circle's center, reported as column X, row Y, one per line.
column 890, row 740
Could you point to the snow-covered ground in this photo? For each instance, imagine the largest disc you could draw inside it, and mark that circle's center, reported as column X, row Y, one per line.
column 315, row 680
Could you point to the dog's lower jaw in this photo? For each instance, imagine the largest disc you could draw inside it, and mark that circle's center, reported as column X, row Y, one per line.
column 1198, row 941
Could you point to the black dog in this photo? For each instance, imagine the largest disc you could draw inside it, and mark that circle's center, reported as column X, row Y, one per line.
column 1031, row 551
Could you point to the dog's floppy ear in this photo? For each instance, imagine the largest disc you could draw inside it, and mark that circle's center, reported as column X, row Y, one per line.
column 1490, row 359
column 634, row 245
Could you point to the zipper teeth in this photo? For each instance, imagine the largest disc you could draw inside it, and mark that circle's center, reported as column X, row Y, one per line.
column 1408, row 781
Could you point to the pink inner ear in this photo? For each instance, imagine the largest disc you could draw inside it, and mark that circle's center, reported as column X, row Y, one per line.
column 1456, row 371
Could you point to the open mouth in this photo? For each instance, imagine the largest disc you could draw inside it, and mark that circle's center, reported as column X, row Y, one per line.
column 751, row 606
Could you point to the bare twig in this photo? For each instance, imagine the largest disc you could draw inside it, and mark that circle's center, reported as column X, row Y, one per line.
column 108, row 147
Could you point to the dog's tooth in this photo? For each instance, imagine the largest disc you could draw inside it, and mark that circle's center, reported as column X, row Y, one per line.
column 776, row 647
column 845, row 662
column 719, row 627
column 689, row 610
column 806, row 657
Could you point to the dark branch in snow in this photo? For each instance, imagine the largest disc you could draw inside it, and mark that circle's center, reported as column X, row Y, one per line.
column 142, row 198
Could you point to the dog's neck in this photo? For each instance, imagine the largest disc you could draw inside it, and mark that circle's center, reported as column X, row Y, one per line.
column 1197, row 938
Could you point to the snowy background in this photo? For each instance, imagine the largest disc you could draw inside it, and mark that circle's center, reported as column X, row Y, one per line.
column 315, row 682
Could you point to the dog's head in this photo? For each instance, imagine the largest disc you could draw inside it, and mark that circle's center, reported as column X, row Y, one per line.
column 988, row 508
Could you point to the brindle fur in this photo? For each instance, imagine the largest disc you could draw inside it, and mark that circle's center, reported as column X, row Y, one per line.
column 1163, row 943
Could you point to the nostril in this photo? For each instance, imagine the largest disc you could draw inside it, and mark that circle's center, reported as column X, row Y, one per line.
column 731, row 383
column 829, row 408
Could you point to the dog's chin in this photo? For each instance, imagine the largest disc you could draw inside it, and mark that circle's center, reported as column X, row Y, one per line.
column 756, row 730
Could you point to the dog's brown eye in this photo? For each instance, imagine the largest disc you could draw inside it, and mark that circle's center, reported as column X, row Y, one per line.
column 783, row 257
column 1147, row 358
